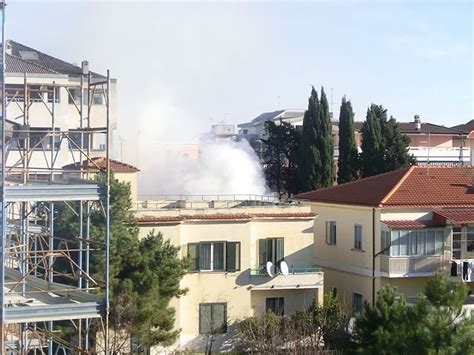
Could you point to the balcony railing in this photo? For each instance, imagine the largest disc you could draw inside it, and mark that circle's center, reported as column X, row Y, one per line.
column 404, row 266
column 293, row 271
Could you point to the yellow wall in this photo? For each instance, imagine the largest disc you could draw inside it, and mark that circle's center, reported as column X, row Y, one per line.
column 235, row 288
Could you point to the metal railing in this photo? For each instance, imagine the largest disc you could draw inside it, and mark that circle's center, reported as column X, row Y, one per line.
column 292, row 271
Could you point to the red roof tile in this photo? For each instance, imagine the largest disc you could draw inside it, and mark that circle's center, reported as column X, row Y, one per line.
column 101, row 162
column 407, row 224
column 366, row 192
column 224, row 217
column 433, row 187
column 455, row 215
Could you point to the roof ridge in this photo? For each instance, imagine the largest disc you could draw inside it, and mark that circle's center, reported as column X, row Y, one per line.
column 354, row 181
column 397, row 185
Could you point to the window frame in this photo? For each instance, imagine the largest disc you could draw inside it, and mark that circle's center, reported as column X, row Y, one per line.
column 196, row 253
column 212, row 305
column 279, row 305
column 355, row 296
column 358, row 245
column 424, row 242
column 331, row 232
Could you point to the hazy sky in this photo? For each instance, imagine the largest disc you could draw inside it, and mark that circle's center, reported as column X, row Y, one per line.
column 181, row 66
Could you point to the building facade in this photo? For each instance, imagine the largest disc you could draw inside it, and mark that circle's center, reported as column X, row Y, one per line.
column 230, row 243
column 42, row 89
column 397, row 228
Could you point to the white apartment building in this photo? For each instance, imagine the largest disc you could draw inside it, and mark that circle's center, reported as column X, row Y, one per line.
column 53, row 99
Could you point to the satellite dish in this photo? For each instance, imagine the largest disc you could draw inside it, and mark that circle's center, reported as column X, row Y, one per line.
column 284, row 268
column 270, row 269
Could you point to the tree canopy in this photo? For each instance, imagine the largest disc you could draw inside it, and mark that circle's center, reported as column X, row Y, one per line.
column 280, row 154
column 435, row 324
column 384, row 147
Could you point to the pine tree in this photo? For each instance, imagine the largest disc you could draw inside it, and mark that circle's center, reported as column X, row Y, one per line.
column 310, row 161
column 280, row 152
column 348, row 164
column 325, row 143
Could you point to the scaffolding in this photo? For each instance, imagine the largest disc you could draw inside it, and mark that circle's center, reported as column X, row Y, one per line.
column 53, row 301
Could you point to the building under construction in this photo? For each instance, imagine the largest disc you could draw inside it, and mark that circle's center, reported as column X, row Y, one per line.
column 54, row 284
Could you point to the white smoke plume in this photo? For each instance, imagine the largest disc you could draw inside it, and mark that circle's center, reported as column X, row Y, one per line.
column 225, row 168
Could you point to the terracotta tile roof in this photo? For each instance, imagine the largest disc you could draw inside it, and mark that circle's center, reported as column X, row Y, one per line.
column 224, row 217
column 433, row 187
column 455, row 215
column 366, row 192
column 407, row 224
column 115, row 165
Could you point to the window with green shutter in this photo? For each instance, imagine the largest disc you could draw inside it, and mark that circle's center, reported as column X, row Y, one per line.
column 214, row 256
column 271, row 249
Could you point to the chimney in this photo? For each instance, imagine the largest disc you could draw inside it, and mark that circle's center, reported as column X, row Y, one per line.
column 85, row 67
column 417, row 122
column 8, row 47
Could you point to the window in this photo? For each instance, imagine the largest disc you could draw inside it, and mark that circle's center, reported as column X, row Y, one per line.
column 357, row 237
column 214, row 256
column 98, row 97
column 53, row 92
column 74, row 96
column 41, row 138
column 357, row 303
column 75, row 139
column 331, row 232
column 470, row 239
column 456, row 243
column 271, row 249
column 212, row 318
column 416, row 242
column 275, row 305
column 385, row 242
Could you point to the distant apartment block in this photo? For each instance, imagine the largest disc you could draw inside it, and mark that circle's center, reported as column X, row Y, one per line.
column 54, row 89
column 394, row 229
column 429, row 143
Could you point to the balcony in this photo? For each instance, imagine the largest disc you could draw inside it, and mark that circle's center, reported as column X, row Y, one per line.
column 410, row 266
column 298, row 278
column 441, row 154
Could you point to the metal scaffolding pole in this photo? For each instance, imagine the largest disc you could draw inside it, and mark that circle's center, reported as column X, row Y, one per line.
column 3, row 202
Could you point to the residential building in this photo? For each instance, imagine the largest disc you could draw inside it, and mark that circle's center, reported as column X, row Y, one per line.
column 396, row 228
column 429, row 143
column 230, row 243
column 123, row 172
column 468, row 129
column 72, row 94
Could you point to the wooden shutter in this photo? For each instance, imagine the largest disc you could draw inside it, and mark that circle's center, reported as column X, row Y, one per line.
column 262, row 252
column 233, row 256
column 193, row 252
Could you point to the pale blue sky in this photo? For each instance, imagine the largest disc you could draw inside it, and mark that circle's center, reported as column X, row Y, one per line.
column 181, row 65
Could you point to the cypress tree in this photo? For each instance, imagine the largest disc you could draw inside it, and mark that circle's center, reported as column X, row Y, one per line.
column 384, row 147
column 325, row 143
column 310, row 161
column 348, row 164
column 372, row 162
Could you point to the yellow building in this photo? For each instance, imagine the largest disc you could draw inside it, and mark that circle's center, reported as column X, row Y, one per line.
column 396, row 228
column 230, row 243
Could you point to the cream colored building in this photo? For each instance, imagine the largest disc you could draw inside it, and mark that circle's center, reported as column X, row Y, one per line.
column 229, row 243
column 396, row 228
